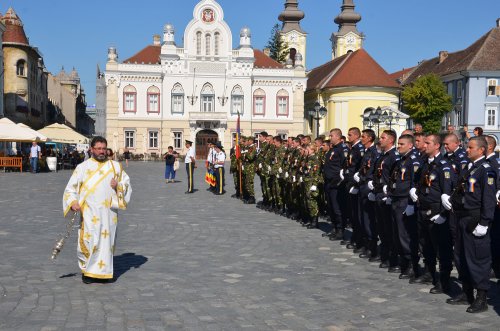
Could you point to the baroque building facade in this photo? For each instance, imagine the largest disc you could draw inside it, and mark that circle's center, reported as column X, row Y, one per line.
column 353, row 85
column 24, row 75
column 166, row 94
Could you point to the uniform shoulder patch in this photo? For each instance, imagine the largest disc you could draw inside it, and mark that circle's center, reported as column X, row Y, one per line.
column 486, row 165
column 443, row 161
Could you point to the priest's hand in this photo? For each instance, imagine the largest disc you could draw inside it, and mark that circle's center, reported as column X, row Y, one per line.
column 75, row 206
column 114, row 184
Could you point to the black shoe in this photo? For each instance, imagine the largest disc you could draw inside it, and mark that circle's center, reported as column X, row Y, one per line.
column 327, row 234
column 344, row 242
column 384, row 265
column 358, row 250
column 87, row 280
column 188, row 192
column 438, row 289
column 351, row 246
column 480, row 304
column 375, row 258
column 426, row 279
column 236, row 196
column 250, row 201
column 339, row 235
column 407, row 274
column 394, row 270
column 366, row 254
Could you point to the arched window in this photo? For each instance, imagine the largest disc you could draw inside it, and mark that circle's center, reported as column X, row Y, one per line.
column 153, row 100
column 259, row 102
column 237, row 100
column 216, row 43
column 207, row 98
column 177, row 99
column 198, row 43
column 208, row 43
column 282, row 103
column 21, row 68
column 129, row 99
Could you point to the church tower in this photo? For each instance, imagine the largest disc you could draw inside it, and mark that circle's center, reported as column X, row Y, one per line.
column 291, row 32
column 348, row 38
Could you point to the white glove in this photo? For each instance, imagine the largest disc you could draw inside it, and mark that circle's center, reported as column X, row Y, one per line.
column 293, row 179
column 280, row 170
column 413, row 194
column 388, row 201
column 269, row 168
column 242, row 167
column 260, row 165
column 356, row 177
column 300, row 179
column 445, row 201
column 438, row 219
column 287, row 175
column 384, row 189
column 342, row 174
column 410, row 210
column 353, row 190
column 313, row 188
column 370, row 185
column 498, row 196
column 480, row 231
column 371, row 197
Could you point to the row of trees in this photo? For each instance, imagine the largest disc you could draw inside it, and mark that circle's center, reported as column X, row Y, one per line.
column 425, row 100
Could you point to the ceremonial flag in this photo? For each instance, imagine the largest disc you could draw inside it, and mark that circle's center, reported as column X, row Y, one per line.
column 237, row 147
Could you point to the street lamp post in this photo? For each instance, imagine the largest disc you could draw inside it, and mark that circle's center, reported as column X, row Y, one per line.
column 378, row 116
column 317, row 113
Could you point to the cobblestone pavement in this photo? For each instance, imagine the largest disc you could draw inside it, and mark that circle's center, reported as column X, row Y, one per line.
column 200, row 262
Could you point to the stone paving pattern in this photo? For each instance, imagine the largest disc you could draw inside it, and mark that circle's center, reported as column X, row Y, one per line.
column 200, row 262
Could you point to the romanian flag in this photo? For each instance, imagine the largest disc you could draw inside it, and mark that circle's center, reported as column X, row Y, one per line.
column 237, row 142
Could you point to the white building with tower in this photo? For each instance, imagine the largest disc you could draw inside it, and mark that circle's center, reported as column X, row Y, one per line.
column 167, row 93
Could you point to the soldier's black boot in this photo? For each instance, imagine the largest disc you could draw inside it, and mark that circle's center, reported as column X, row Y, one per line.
column 480, row 304
column 464, row 298
column 365, row 254
column 442, row 285
column 250, row 201
column 426, row 278
column 314, row 223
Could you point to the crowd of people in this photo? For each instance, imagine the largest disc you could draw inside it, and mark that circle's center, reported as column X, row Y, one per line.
column 408, row 198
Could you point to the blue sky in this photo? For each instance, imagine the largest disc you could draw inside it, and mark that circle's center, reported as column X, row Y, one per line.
column 399, row 33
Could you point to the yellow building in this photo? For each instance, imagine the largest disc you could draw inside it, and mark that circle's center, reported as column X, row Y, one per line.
column 353, row 84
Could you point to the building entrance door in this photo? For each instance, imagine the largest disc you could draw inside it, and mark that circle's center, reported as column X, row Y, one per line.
column 202, row 139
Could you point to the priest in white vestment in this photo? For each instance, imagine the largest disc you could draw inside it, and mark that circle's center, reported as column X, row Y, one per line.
column 97, row 189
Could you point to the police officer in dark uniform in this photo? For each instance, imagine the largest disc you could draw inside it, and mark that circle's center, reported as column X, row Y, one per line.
column 495, row 226
column 334, row 161
column 436, row 179
column 382, row 172
column 473, row 202
column 405, row 233
column 362, row 177
column 352, row 166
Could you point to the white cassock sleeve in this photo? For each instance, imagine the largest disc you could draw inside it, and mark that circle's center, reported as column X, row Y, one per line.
column 71, row 194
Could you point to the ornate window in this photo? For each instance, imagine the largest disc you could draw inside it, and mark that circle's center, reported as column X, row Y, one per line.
column 129, row 99
column 207, row 99
column 208, row 43
column 21, row 68
column 282, row 103
column 216, row 43
column 153, row 139
column 491, row 118
column 177, row 99
column 153, row 100
column 259, row 102
column 130, row 139
column 198, row 43
column 493, row 88
column 237, row 100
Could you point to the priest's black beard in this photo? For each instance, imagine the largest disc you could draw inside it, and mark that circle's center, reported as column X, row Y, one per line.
column 101, row 158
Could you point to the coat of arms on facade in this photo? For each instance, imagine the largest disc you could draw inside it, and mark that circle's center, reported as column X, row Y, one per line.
column 208, row 16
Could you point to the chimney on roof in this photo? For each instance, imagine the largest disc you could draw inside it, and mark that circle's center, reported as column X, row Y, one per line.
column 498, row 22
column 156, row 40
column 442, row 56
column 267, row 51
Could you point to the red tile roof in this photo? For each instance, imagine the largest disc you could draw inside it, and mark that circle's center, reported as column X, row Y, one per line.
column 14, row 31
column 353, row 69
column 149, row 55
column 401, row 75
column 264, row 61
column 480, row 56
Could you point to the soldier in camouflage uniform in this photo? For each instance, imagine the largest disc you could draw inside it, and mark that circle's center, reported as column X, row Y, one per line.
column 311, row 178
column 294, row 165
column 234, row 169
column 262, row 150
column 248, row 168
column 277, row 173
column 267, row 173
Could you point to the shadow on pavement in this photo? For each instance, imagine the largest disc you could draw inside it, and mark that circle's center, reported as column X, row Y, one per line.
column 127, row 261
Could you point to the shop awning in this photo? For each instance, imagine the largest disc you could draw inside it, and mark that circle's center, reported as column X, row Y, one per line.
column 10, row 131
column 61, row 133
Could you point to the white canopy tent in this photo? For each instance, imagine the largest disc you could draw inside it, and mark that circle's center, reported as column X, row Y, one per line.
column 10, row 131
column 60, row 133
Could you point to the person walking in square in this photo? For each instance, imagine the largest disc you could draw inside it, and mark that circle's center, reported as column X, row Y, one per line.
column 35, row 154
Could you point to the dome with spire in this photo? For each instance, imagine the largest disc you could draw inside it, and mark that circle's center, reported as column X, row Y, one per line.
column 291, row 17
column 14, row 28
column 348, row 18
column 169, row 28
column 245, row 32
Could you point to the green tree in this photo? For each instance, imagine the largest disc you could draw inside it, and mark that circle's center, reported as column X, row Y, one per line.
column 426, row 101
column 277, row 46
